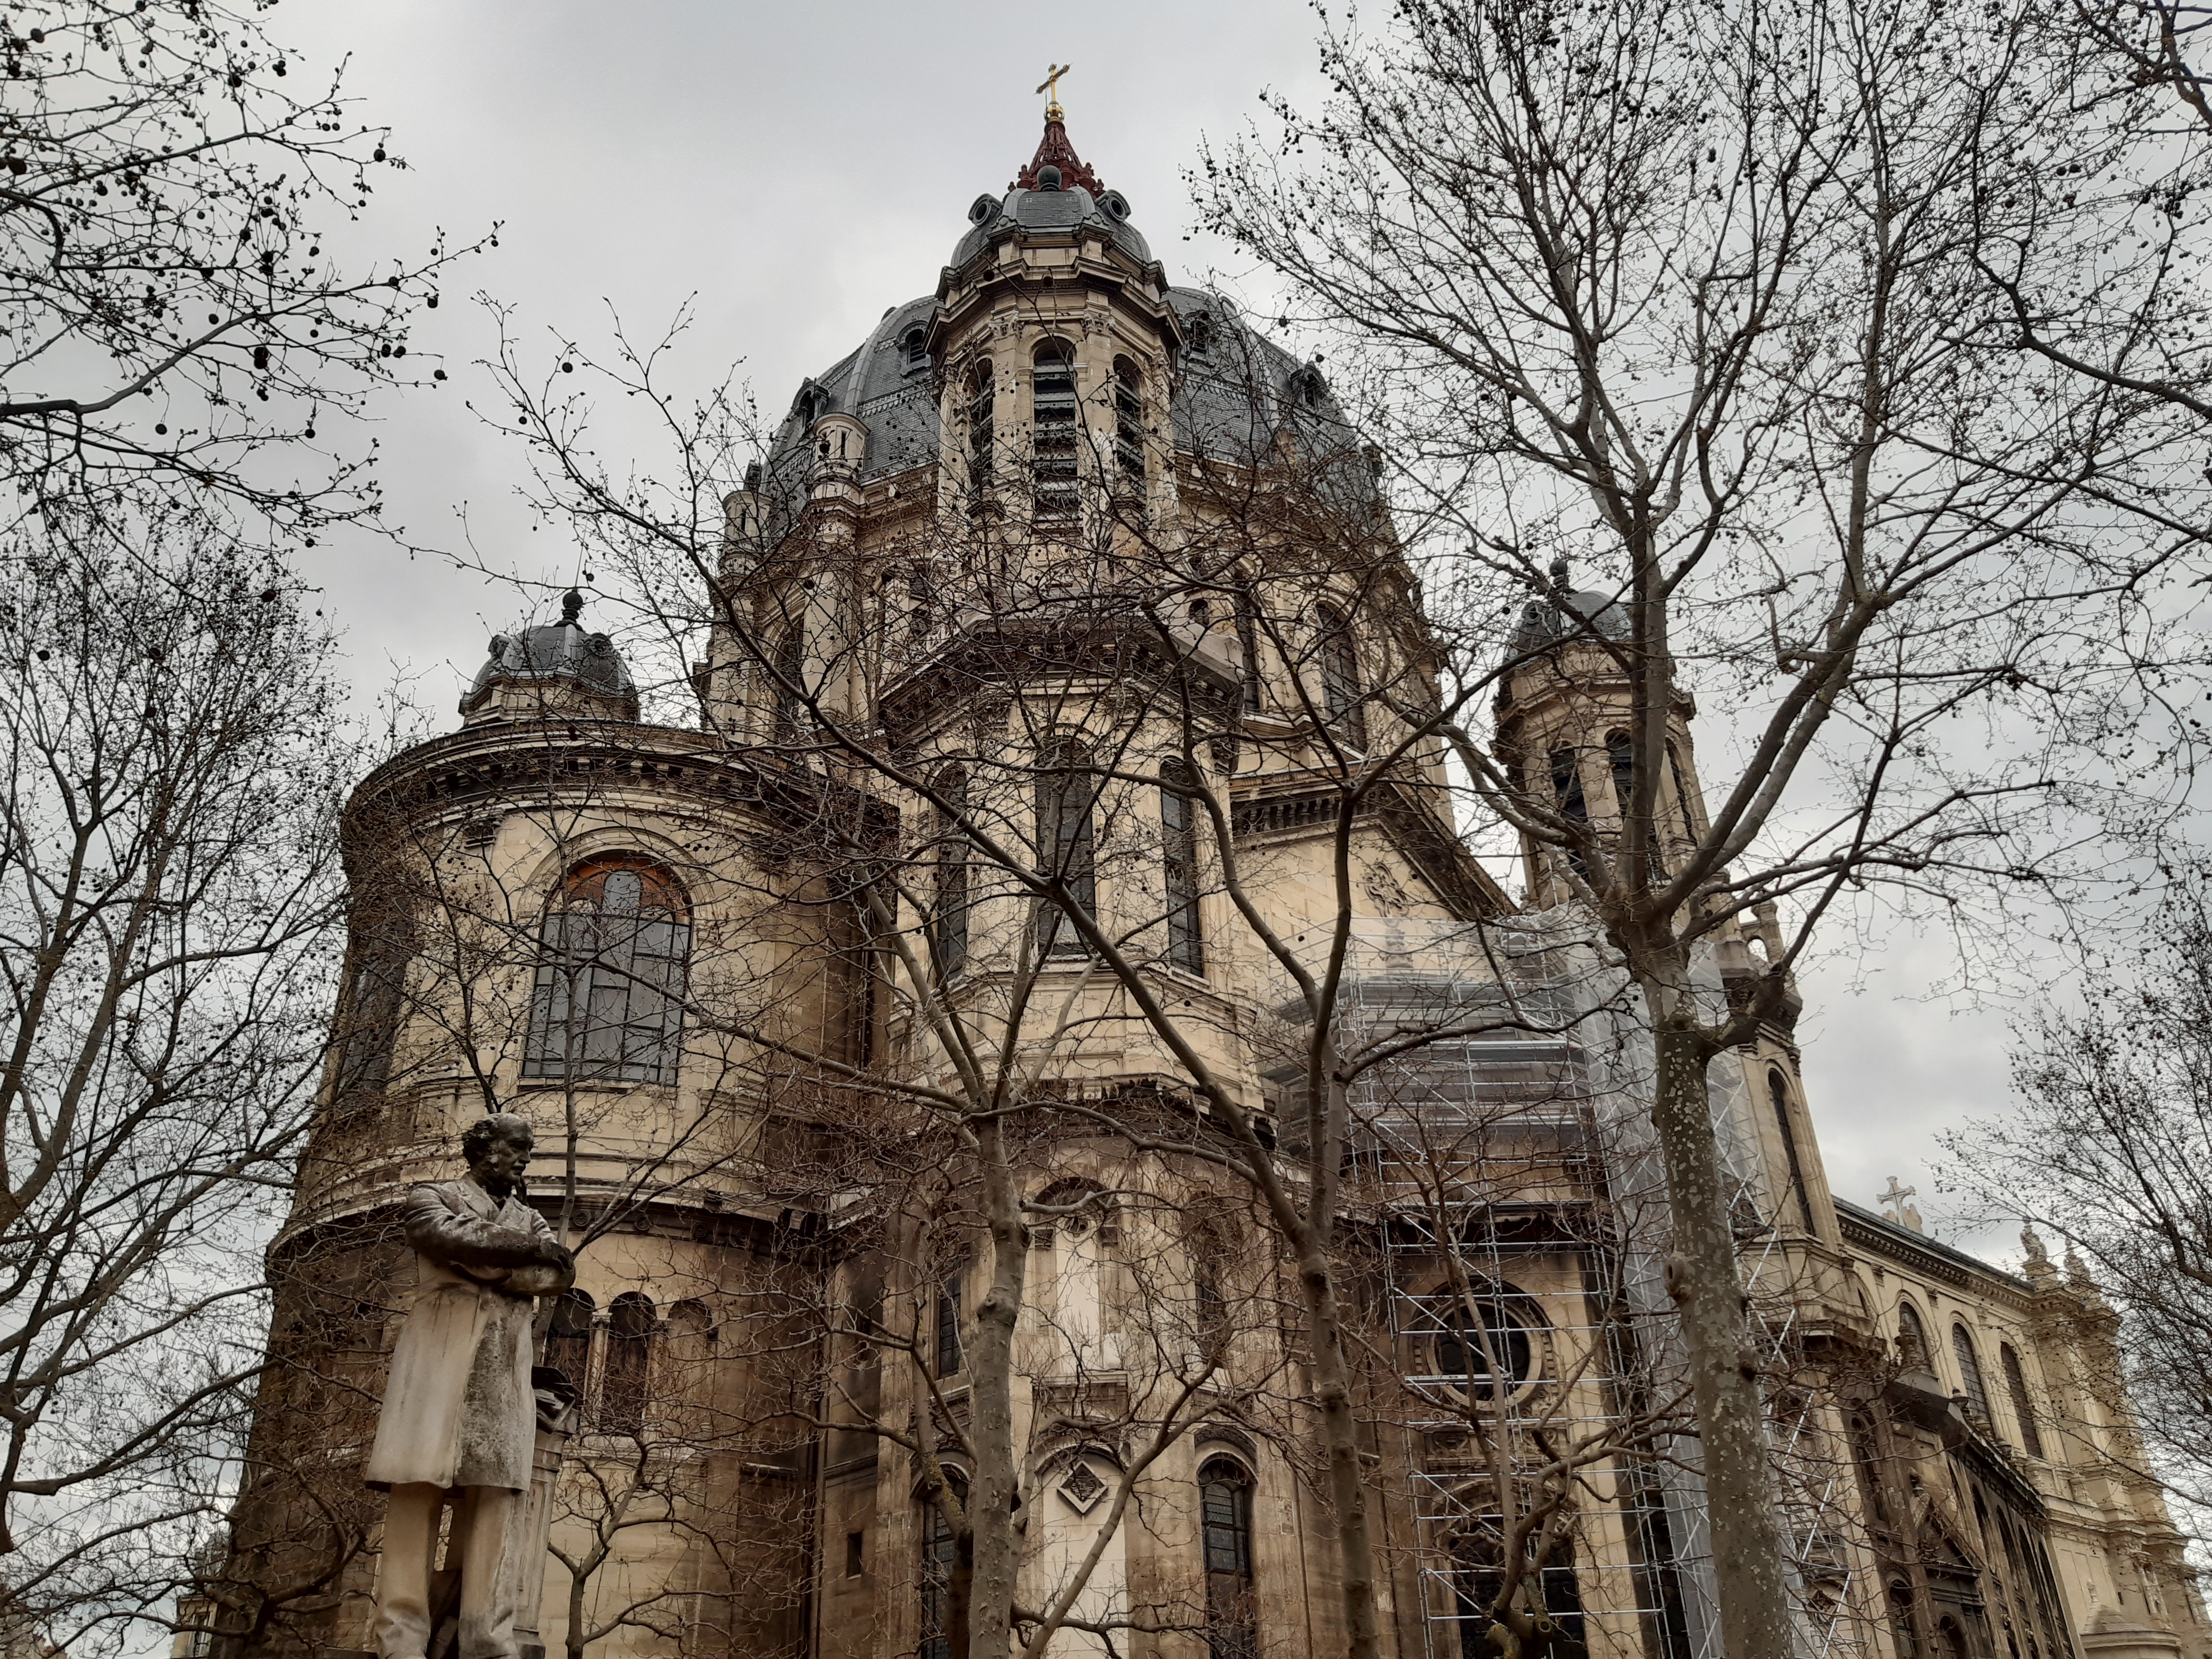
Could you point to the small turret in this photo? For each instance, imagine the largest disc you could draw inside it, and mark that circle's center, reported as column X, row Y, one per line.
column 552, row 670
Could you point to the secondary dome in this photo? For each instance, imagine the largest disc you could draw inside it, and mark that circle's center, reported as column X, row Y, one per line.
column 553, row 668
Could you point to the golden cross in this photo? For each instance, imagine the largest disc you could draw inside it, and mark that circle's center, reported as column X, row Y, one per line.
column 1052, row 109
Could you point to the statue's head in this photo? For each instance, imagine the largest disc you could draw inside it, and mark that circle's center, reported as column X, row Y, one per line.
column 497, row 1146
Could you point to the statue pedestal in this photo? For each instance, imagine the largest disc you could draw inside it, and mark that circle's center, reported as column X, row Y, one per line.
column 523, row 1562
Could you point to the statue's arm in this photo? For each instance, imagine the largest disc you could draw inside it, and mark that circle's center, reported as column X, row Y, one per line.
column 461, row 1241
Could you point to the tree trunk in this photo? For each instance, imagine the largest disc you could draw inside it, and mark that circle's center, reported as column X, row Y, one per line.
column 1754, row 1603
column 990, row 1384
column 1340, row 1437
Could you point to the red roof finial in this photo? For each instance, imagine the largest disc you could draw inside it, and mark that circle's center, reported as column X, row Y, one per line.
column 1054, row 151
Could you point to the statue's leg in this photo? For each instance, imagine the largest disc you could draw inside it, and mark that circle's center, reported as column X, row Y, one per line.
column 403, row 1579
column 487, row 1604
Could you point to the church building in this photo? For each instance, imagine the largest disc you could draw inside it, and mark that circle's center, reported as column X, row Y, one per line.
column 1054, row 748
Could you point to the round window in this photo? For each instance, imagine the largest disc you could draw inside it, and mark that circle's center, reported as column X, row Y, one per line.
column 1496, row 1351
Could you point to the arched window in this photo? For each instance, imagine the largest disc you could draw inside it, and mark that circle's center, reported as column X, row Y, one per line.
column 941, row 1545
column 1912, row 1350
column 1778, row 1091
column 982, row 434
column 370, row 1011
column 1970, row 1373
column 627, row 1369
column 569, row 1338
column 1056, row 431
column 1225, row 1496
column 788, row 684
column 608, row 1005
column 2023, row 1409
column 1343, row 702
column 950, row 1357
column 688, row 1357
column 1482, row 1346
column 1681, row 794
column 1066, row 794
column 1248, row 637
column 1903, row 1631
column 1179, row 866
column 1478, row 1583
column 1198, row 331
column 913, row 350
column 949, row 921
column 1128, row 426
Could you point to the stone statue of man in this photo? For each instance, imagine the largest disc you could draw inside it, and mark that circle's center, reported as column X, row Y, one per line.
column 458, row 1414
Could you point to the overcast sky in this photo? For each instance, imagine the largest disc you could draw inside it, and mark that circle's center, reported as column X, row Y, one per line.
column 795, row 170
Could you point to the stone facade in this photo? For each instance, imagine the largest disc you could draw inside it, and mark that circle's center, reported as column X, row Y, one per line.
column 956, row 546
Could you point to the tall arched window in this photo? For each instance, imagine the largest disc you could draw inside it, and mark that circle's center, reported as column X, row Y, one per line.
column 1970, row 1372
column 1681, row 794
column 1066, row 795
column 1179, row 866
column 950, row 1358
column 370, row 1013
column 2023, row 1408
column 1912, row 1349
column 1225, row 1496
column 1248, row 637
column 1056, row 430
column 627, row 1371
column 786, row 682
column 608, row 1005
column 569, row 1338
column 1343, row 702
column 1778, row 1091
column 949, row 921
column 1128, row 426
column 982, row 434
column 941, row 1545
column 914, row 350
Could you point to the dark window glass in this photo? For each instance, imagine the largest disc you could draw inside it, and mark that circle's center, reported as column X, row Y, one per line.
column 1247, row 636
column 1055, row 421
column 949, row 1358
column 788, row 686
column 1681, row 793
column 1179, row 867
column 1970, row 1372
column 1066, row 793
column 1128, row 426
column 982, row 437
column 1483, row 1352
column 1225, row 1513
column 1620, row 756
column 569, row 1338
column 1567, row 791
column 1342, row 700
column 608, row 1004
column 2023, row 1409
column 939, row 1544
column 950, row 922
column 1212, row 1312
column 1779, row 1092
column 369, row 1016
column 1479, row 1583
column 628, row 1364
column 913, row 350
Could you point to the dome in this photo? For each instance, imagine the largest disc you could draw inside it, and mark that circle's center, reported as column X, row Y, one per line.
column 1545, row 622
column 558, row 666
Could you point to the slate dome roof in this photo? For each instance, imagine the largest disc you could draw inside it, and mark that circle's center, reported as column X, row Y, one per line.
column 1235, row 389
column 1544, row 621
column 560, row 651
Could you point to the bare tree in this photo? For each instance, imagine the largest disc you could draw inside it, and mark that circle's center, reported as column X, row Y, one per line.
column 2108, row 1150
column 167, row 175
column 1694, row 297
column 171, row 891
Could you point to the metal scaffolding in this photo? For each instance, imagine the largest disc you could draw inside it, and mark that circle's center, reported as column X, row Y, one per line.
column 1509, row 1163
